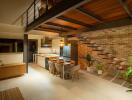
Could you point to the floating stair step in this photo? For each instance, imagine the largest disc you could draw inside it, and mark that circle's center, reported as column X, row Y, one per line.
column 101, row 54
column 97, row 50
column 86, row 42
column 107, row 53
column 81, row 40
column 92, row 43
column 89, row 46
column 110, row 63
column 95, row 45
column 110, row 57
column 105, row 58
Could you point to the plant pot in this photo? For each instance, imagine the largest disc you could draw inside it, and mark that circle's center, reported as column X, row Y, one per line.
column 88, row 69
column 100, row 72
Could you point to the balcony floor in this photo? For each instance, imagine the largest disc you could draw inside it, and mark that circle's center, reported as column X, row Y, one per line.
column 40, row 85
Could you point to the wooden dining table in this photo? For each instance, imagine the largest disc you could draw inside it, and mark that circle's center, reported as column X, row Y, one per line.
column 65, row 64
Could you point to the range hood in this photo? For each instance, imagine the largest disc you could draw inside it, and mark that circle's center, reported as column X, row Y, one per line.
column 46, row 42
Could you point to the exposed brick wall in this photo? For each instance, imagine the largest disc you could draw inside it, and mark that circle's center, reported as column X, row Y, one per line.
column 118, row 41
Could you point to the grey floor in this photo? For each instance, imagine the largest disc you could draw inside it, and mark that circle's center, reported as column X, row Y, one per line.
column 39, row 84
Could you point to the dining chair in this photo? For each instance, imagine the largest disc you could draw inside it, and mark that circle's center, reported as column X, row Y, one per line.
column 67, row 70
column 59, row 68
column 51, row 67
column 75, row 72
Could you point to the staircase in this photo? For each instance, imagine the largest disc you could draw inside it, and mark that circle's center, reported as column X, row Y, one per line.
column 104, row 56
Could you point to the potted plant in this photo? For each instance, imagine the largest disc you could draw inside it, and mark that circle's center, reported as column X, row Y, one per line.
column 128, row 74
column 89, row 59
column 99, row 68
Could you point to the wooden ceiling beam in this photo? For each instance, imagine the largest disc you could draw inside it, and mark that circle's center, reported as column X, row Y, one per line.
column 40, row 29
column 126, row 8
column 113, row 24
column 60, row 26
column 57, row 10
column 74, row 21
column 89, row 14
column 53, row 29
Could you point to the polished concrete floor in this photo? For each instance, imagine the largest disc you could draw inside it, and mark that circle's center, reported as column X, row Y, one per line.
column 39, row 84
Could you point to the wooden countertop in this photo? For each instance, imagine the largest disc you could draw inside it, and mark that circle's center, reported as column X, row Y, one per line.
column 13, row 64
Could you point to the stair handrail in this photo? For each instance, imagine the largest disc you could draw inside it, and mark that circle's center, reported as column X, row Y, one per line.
column 21, row 17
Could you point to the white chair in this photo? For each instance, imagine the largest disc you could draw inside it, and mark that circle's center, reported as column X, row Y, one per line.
column 59, row 69
column 51, row 67
column 74, row 72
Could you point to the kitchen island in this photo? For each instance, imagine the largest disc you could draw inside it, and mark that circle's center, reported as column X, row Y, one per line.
column 42, row 59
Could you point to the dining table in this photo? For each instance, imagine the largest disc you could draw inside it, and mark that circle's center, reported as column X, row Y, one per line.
column 67, row 64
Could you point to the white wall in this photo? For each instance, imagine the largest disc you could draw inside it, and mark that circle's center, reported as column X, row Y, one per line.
column 56, row 45
column 11, row 31
column 40, row 49
column 55, row 42
column 14, row 32
column 10, row 10
column 9, row 58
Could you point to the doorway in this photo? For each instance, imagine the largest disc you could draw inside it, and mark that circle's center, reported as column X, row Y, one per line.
column 32, row 49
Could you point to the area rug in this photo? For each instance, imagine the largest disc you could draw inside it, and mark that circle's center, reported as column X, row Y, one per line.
column 11, row 94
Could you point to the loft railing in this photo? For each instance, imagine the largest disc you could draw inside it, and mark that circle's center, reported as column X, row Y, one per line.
column 35, row 10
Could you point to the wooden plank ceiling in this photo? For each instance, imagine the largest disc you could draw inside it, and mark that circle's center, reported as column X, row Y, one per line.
column 90, row 16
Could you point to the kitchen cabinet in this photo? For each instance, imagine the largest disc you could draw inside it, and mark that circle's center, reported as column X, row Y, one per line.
column 42, row 59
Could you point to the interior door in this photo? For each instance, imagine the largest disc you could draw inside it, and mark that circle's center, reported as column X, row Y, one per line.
column 32, row 48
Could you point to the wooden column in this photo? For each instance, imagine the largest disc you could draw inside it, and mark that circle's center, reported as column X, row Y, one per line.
column 74, row 51
column 25, row 55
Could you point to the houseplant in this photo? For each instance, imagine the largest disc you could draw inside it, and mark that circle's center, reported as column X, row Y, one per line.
column 128, row 76
column 89, row 59
column 99, row 68
column 128, row 73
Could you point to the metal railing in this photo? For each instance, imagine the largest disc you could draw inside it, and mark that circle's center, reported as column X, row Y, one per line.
column 32, row 13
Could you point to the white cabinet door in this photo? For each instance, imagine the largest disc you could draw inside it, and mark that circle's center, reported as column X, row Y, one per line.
column 41, row 61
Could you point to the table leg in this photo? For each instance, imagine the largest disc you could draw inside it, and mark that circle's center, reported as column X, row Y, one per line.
column 63, row 72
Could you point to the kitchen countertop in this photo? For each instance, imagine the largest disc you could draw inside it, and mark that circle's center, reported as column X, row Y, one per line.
column 47, row 55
